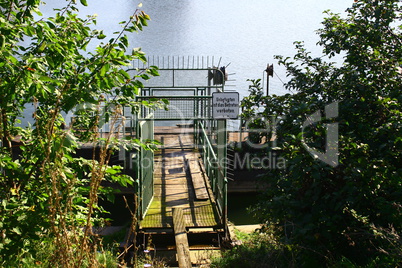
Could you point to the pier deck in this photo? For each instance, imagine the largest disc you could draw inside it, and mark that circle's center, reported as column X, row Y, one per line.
column 176, row 171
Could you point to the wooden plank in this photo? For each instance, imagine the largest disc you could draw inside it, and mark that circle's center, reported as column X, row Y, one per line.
column 173, row 187
column 197, row 178
column 182, row 247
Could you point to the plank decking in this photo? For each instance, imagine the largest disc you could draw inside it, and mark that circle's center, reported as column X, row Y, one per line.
column 182, row 247
column 176, row 172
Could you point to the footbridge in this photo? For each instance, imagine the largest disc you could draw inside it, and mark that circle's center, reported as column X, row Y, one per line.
column 181, row 186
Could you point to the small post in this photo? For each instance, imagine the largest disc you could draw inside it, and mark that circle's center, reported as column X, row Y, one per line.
column 270, row 72
column 182, row 247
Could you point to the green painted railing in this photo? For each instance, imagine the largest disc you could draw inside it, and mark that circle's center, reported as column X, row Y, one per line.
column 179, row 108
column 214, row 167
column 140, row 164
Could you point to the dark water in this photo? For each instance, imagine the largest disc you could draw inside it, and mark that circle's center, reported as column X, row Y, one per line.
column 238, row 205
column 119, row 213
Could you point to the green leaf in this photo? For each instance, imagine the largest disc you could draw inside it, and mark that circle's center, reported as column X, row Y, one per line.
column 46, row 78
column 124, row 40
column 2, row 41
column 84, row 2
column 112, row 170
column 105, row 68
column 17, row 230
column 101, row 35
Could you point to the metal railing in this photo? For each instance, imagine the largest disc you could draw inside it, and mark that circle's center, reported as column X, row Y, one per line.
column 179, row 108
column 213, row 168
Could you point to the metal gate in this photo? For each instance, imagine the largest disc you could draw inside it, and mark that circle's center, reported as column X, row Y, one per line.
column 188, row 86
column 145, row 165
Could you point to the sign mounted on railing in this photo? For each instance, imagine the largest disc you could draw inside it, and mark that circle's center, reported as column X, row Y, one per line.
column 225, row 105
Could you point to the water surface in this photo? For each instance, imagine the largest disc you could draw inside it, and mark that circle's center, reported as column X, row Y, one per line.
column 246, row 34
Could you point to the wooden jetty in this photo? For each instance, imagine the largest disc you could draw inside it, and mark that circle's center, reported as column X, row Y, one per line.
column 179, row 182
column 183, row 206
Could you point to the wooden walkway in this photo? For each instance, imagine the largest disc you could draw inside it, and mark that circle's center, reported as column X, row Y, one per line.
column 176, row 171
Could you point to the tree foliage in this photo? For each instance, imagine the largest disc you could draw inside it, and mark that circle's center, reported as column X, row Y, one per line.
column 352, row 210
column 48, row 197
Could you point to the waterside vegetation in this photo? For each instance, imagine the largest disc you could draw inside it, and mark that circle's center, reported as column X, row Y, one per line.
column 61, row 64
column 345, row 212
column 339, row 201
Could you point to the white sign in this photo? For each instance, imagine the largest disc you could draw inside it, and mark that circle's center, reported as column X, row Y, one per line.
column 225, row 105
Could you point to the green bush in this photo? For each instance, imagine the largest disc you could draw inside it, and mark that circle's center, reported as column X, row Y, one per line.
column 48, row 197
column 348, row 207
column 257, row 250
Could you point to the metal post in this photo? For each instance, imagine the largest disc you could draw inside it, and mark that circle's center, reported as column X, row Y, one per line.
column 221, row 141
column 267, row 84
column 270, row 72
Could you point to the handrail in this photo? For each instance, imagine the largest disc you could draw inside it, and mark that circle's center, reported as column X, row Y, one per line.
column 212, row 149
column 214, row 170
column 207, row 140
column 179, row 107
column 180, row 87
column 174, row 97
